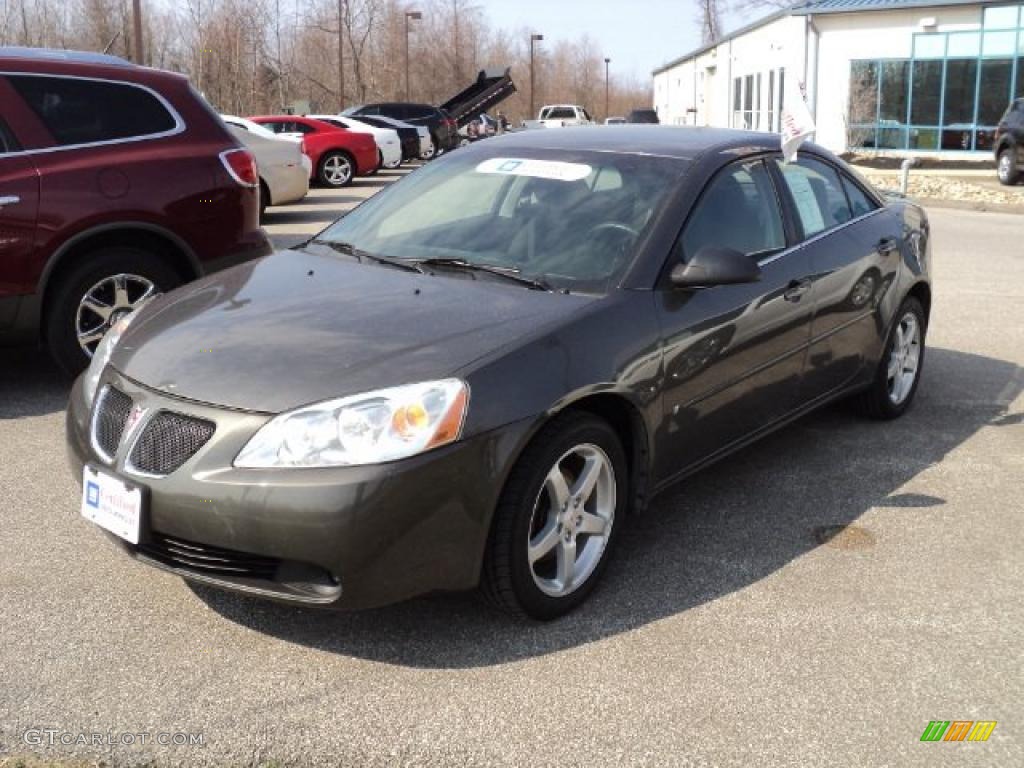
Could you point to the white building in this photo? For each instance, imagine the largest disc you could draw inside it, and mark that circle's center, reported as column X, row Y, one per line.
column 900, row 76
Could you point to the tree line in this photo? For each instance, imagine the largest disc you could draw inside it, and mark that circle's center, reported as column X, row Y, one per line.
column 259, row 56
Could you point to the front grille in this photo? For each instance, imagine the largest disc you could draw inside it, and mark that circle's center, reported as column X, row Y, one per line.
column 109, row 420
column 168, row 441
column 207, row 560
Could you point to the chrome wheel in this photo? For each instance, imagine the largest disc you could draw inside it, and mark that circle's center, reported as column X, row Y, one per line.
column 106, row 302
column 904, row 359
column 337, row 170
column 572, row 520
column 428, row 153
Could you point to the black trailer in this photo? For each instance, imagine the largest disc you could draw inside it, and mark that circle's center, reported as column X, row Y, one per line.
column 492, row 87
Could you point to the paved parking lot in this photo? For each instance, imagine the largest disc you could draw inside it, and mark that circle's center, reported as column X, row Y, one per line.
column 814, row 600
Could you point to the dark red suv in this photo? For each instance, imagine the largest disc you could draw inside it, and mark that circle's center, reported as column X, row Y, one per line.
column 117, row 182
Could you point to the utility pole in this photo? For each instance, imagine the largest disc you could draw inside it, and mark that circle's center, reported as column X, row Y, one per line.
column 533, row 40
column 415, row 15
column 341, row 55
column 137, row 48
column 607, row 62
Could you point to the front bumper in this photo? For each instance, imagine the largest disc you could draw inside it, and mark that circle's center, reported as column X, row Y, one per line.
column 347, row 537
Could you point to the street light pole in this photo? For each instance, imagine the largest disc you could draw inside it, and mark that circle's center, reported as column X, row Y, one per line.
column 607, row 61
column 415, row 15
column 341, row 56
column 533, row 39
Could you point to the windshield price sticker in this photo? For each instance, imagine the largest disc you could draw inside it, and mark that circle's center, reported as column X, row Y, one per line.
column 540, row 169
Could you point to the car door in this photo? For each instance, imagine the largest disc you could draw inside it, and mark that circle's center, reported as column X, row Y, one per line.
column 733, row 354
column 854, row 246
column 19, row 209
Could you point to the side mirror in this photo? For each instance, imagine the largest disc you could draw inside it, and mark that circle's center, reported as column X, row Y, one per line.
column 714, row 265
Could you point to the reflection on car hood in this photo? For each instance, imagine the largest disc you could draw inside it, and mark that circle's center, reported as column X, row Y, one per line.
column 298, row 327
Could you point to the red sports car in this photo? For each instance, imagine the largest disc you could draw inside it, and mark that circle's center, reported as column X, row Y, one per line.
column 337, row 155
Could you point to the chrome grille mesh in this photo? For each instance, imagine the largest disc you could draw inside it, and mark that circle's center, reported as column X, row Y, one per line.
column 109, row 420
column 168, row 441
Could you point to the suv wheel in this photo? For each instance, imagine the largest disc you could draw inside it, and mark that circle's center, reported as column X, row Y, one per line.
column 557, row 519
column 1006, row 167
column 103, row 287
column 336, row 170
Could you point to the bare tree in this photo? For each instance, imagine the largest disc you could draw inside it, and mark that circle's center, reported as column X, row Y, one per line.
column 710, row 19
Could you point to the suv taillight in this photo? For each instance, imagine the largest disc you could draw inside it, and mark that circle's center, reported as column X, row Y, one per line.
column 241, row 166
column 451, row 123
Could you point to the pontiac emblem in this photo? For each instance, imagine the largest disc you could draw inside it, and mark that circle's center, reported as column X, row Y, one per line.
column 134, row 416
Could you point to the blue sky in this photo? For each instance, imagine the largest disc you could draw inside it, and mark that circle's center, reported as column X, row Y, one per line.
column 638, row 35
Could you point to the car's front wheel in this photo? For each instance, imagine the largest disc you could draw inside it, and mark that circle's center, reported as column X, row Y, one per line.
column 103, row 287
column 1006, row 167
column 899, row 370
column 557, row 518
column 336, row 170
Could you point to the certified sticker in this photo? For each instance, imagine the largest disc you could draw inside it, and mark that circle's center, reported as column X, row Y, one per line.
column 540, row 169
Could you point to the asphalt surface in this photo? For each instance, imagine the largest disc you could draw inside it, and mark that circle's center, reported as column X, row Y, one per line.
column 814, row 600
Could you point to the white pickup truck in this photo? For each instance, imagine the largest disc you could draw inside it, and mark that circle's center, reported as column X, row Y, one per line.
column 563, row 115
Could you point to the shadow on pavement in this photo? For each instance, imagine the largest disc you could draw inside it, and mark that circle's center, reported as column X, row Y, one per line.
column 30, row 384
column 713, row 534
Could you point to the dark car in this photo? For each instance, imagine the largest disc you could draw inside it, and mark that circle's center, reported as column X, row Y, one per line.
column 476, row 376
column 1009, row 144
column 444, row 131
column 408, row 135
column 648, row 116
column 116, row 183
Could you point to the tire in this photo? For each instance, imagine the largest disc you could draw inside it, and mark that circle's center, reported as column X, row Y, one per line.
column 509, row 581
column 264, row 200
column 331, row 171
column 1006, row 167
column 883, row 400
column 63, row 318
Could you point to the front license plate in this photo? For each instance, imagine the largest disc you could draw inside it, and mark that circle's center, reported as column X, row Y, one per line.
column 111, row 504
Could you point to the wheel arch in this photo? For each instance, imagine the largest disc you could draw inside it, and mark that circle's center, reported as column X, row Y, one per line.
column 625, row 418
column 165, row 244
column 923, row 293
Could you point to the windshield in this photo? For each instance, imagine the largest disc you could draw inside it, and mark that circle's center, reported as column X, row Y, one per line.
column 572, row 219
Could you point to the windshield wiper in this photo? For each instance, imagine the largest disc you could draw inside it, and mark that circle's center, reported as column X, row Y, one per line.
column 350, row 250
column 509, row 273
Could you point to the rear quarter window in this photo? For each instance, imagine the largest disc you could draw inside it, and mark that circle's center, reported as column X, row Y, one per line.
column 7, row 141
column 79, row 111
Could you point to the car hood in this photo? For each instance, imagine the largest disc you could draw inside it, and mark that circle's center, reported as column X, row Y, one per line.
column 298, row 327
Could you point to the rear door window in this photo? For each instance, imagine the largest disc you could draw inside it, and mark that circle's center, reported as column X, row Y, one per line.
column 817, row 195
column 79, row 111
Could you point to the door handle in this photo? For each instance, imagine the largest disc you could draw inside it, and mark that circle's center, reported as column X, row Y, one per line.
column 796, row 289
column 9, row 200
column 887, row 246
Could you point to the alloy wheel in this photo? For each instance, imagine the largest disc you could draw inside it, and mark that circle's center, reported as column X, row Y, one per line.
column 904, row 359
column 105, row 303
column 572, row 520
column 337, row 170
column 1004, row 166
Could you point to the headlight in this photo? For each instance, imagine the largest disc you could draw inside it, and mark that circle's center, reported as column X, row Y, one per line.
column 370, row 428
column 101, row 356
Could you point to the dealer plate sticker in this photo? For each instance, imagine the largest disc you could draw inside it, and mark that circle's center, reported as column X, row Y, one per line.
column 539, row 169
column 110, row 504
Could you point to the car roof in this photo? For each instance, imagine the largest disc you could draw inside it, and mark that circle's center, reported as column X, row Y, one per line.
column 684, row 142
column 52, row 61
column 57, row 54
